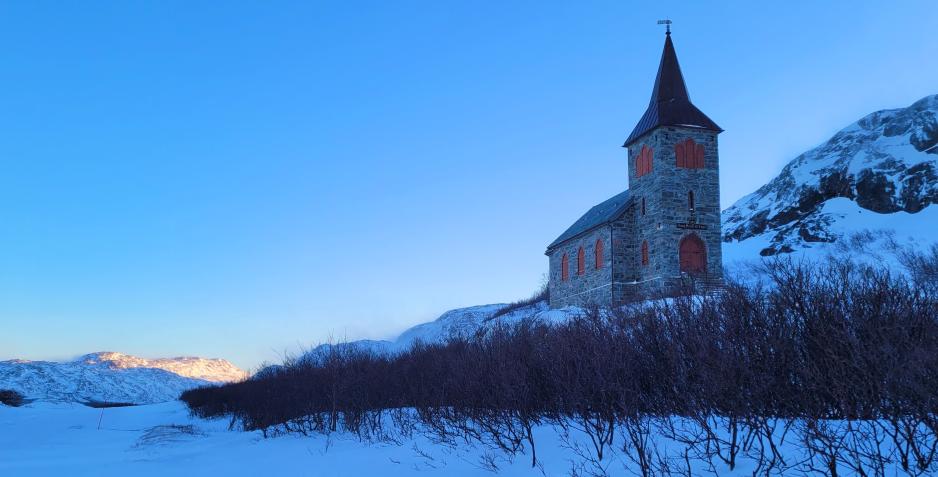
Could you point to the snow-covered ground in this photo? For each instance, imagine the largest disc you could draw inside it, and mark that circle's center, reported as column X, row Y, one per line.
column 49, row 439
column 46, row 439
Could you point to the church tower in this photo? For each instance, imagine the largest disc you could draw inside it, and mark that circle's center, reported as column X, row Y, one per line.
column 674, row 172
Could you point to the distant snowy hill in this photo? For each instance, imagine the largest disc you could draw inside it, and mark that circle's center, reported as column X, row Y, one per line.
column 207, row 369
column 472, row 320
column 114, row 377
column 458, row 322
column 879, row 174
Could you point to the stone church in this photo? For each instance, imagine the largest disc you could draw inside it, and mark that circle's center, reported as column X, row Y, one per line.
column 663, row 232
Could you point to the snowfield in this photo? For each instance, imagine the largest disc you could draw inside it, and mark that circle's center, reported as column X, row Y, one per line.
column 45, row 439
column 58, row 439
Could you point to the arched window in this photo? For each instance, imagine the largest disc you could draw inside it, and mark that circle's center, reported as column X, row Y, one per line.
column 643, row 162
column 689, row 154
column 580, row 262
column 690, row 200
column 645, row 253
column 643, row 206
column 564, row 268
column 599, row 254
column 693, row 254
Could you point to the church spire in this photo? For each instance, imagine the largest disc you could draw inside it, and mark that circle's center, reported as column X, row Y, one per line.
column 670, row 104
column 669, row 84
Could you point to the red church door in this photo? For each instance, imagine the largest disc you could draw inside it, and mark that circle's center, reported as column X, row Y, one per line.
column 693, row 254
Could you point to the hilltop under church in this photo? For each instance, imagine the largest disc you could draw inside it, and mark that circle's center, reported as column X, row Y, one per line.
column 663, row 232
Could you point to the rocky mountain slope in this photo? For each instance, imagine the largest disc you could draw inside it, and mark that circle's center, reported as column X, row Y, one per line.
column 885, row 163
column 113, row 377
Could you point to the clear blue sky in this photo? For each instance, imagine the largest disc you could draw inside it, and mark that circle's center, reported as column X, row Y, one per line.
column 238, row 179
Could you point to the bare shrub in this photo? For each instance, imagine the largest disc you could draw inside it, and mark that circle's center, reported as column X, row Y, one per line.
column 11, row 398
column 542, row 295
column 837, row 358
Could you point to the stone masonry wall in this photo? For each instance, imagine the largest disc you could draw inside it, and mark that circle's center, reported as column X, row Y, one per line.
column 626, row 254
column 665, row 193
column 594, row 286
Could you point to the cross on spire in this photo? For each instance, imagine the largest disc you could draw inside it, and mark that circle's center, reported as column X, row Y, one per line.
column 667, row 25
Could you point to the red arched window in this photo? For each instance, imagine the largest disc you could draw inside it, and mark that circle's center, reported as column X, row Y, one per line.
column 693, row 254
column 690, row 200
column 564, row 268
column 641, row 157
column 580, row 262
column 643, row 161
column 599, row 254
column 643, row 206
column 689, row 154
column 645, row 253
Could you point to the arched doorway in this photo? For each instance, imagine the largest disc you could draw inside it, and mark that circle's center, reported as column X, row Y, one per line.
column 693, row 255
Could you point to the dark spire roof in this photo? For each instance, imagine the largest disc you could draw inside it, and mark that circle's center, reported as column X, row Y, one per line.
column 670, row 104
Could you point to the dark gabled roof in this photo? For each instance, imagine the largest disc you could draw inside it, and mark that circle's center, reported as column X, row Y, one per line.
column 603, row 213
column 670, row 104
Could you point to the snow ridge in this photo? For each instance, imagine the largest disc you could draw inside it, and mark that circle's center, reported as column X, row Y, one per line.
column 460, row 322
column 207, row 369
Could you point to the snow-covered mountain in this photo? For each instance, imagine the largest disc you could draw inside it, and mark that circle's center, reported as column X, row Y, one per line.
column 879, row 174
column 207, row 369
column 114, row 377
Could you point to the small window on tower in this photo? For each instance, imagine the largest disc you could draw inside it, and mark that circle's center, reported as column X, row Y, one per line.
column 643, row 206
column 645, row 253
column 580, row 258
column 690, row 200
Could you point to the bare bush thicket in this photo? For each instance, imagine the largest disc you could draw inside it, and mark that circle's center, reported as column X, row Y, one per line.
column 11, row 398
column 107, row 404
column 541, row 295
column 838, row 360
